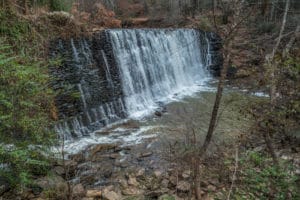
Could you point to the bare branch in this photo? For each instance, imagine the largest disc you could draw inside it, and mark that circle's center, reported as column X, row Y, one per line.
column 234, row 173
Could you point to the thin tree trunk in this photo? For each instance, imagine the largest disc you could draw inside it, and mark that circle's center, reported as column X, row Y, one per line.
column 270, row 147
column 270, row 60
column 272, row 66
column 214, row 115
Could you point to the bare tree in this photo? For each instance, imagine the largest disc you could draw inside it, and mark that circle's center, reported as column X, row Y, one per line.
column 272, row 66
column 228, row 34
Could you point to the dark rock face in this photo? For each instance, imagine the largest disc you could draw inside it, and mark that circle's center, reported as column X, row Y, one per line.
column 215, row 42
column 87, row 80
column 88, row 84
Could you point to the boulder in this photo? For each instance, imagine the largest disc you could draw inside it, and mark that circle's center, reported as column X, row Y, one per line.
column 186, row 174
column 146, row 154
column 51, row 182
column 111, row 195
column 132, row 191
column 93, row 193
column 158, row 173
column 78, row 191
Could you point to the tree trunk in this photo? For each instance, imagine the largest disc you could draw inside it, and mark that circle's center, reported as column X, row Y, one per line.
column 214, row 115
column 272, row 67
column 270, row 147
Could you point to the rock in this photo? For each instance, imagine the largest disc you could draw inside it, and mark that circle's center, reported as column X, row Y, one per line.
column 132, row 181
column 132, row 191
column 51, row 182
column 36, row 190
column 214, row 182
column 123, row 164
column 211, row 188
column 71, row 167
column 93, row 193
column 158, row 173
column 88, row 179
column 27, row 194
column 146, row 154
column 79, row 191
column 123, row 183
column 204, row 183
column 158, row 113
column 207, row 197
column 140, row 172
column 114, row 156
column 111, row 195
column 79, row 157
column 186, row 174
column 165, row 183
column 59, row 170
column 155, row 194
column 183, row 186
column 102, row 147
column 4, row 186
column 173, row 180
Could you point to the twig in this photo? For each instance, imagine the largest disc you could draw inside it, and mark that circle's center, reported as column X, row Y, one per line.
column 284, row 35
column 234, row 173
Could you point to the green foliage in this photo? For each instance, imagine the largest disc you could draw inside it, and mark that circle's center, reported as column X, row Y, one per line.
column 24, row 120
column 13, row 27
column 259, row 179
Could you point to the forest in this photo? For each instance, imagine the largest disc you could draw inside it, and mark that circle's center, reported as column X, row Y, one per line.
column 149, row 99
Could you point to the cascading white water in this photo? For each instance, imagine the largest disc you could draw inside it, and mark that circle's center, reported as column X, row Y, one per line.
column 129, row 72
column 155, row 64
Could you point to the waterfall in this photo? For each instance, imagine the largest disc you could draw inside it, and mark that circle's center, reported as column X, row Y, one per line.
column 121, row 73
column 155, row 64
